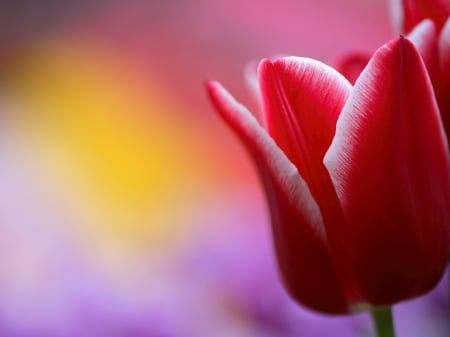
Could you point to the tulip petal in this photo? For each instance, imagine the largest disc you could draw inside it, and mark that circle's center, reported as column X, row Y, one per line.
column 425, row 38
column 408, row 13
column 302, row 101
column 299, row 235
column 389, row 163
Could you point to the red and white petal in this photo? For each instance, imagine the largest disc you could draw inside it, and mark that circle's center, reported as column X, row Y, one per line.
column 425, row 38
column 299, row 235
column 302, row 101
column 390, row 165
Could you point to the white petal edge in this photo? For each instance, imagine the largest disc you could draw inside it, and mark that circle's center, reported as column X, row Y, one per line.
column 422, row 34
column 251, row 79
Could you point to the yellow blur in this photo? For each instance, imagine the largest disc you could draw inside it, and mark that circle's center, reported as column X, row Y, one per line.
column 113, row 143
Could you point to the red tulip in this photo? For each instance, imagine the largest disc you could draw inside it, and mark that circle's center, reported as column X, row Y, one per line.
column 357, row 177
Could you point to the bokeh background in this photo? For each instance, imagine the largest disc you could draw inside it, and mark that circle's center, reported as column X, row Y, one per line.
column 127, row 208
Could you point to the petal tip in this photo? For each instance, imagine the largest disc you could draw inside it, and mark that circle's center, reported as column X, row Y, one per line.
column 212, row 85
column 264, row 66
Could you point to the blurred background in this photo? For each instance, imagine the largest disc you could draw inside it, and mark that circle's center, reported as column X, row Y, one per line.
column 127, row 208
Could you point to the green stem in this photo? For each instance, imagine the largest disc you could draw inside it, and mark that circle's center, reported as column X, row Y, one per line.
column 382, row 319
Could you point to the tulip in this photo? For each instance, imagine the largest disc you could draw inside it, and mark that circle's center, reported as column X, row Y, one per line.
column 357, row 177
